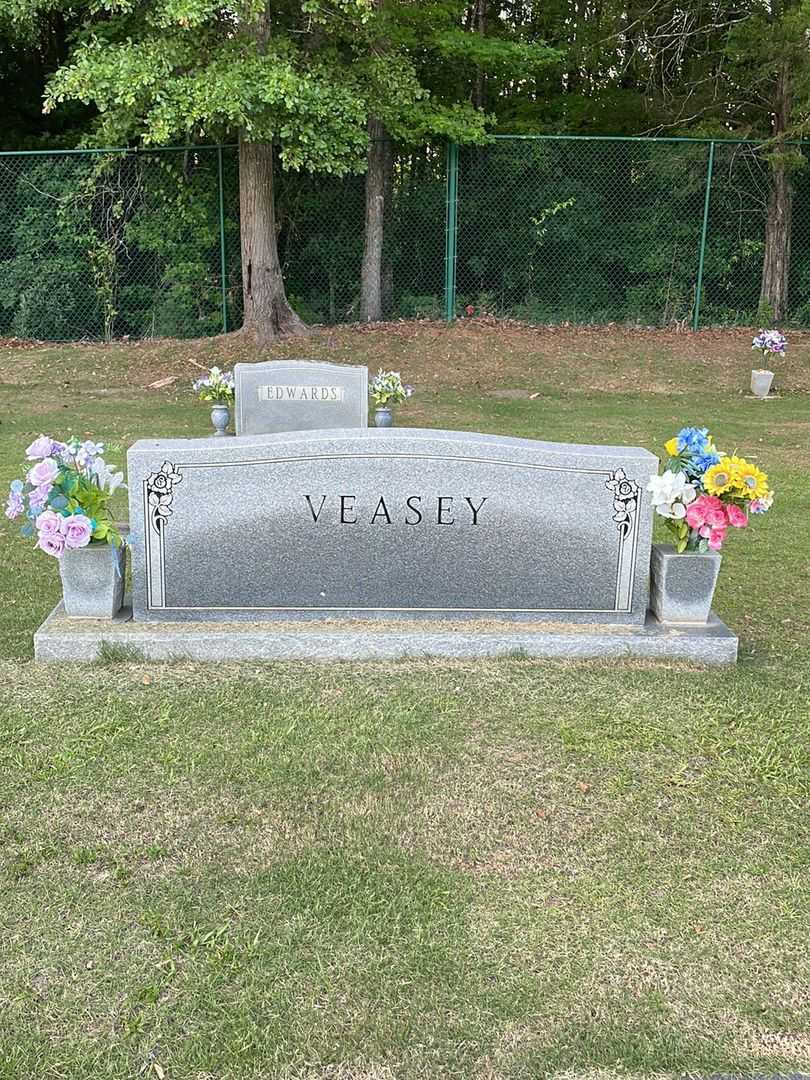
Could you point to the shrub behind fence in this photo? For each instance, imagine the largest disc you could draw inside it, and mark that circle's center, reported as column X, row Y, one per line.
column 107, row 244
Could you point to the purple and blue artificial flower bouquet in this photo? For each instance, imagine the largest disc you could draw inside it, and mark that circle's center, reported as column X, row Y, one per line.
column 64, row 496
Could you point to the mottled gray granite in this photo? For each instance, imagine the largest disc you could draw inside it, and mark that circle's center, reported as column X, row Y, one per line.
column 746, row 1076
column 299, row 395
column 398, row 523
column 682, row 586
column 93, row 580
column 62, row 639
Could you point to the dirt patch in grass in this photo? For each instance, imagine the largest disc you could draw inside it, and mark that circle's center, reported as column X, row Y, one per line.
column 472, row 354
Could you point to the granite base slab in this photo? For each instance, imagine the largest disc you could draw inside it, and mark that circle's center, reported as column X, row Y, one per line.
column 61, row 639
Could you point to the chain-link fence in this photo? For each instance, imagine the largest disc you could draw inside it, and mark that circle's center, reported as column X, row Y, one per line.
column 107, row 244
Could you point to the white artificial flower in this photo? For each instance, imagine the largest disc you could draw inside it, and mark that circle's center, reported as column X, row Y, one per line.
column 106, row 478
column 671, row 494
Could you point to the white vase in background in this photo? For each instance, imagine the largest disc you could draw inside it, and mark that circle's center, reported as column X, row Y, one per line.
column 761, row 380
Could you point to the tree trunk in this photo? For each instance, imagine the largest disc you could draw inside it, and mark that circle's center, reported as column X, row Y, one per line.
column 773, row 296
column 387, row 263
column 480, row 26
column 371, row 271
column 267, row 315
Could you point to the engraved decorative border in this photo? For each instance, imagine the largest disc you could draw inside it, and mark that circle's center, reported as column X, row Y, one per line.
column 625, row 504
column 625, row 499
column 158, row 495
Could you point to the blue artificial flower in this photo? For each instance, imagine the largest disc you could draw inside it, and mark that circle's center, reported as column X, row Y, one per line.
column 692, row 440
column 16, row 487
column 701, row 463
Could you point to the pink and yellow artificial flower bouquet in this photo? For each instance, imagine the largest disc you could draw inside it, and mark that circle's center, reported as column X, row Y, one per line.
column 702, row 492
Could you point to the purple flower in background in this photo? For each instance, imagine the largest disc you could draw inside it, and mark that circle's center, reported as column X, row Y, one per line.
column 78, row 530
column 44, row 472
column 51, row 543
column 15, row 505
column 87, row 453
column 38, row 498
column 770, row 341
column 43, row 447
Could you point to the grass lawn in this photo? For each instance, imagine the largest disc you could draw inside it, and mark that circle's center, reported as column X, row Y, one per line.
column 498, row 870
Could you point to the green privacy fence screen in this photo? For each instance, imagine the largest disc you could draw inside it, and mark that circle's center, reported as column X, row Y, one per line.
column 112, row 243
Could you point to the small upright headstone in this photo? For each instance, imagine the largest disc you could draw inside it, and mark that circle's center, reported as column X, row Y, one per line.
column 299, row 395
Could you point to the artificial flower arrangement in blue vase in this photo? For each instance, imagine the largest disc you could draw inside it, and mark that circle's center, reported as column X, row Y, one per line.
column 217, row 387
column 387, row 389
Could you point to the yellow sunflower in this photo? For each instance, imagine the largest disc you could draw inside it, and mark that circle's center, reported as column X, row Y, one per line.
column 720, row 477
column 735, row 464
column 751, row 481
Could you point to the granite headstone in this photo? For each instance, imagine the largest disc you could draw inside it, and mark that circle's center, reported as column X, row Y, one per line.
column 299, row 395
column 398, row 523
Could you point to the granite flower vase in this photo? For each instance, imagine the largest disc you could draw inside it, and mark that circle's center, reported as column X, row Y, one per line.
column 682, row 586
column 383, row 417
column 220, row 418
column 93, row 580
column 761, row 380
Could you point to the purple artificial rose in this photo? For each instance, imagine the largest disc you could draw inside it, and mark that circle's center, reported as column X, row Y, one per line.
column 77, row 530
column 15, row 505
column 52, row 543
column 40, row 448
column 44, row 472
column 49, row 522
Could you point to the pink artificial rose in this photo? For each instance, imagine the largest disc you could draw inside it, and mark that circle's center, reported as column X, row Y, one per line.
column 716, row 538
column 716, row 517
column 736, row 516
column 44, row 472
column 52, row 544
column 49, row 523
column 698, row 513
column 77, row 530
column 39, row 448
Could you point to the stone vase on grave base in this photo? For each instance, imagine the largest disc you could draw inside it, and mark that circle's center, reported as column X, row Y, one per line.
column 220, row 418
column 682, row 586
column 93, row 581
column 383, row 417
